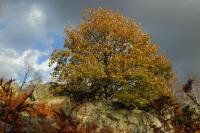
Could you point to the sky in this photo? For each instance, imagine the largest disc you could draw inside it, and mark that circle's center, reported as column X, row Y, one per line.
column 31, row 29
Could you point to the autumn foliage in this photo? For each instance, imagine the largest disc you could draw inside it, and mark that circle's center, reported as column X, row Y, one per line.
column 109, row 57
column 12, row 105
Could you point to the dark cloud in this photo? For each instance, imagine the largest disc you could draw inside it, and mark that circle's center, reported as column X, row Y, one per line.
column 1, row 8
column 173, row 24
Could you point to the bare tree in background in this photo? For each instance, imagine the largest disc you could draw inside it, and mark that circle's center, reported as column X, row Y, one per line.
column 31, row 77
column 196, row 88
column 191, row 89
column 30, row 82
column 175, row 86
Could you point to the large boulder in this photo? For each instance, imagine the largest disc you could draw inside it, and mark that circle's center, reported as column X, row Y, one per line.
column 102, row 115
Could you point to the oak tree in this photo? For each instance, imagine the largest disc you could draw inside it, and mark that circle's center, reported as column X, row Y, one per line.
column 108, row 56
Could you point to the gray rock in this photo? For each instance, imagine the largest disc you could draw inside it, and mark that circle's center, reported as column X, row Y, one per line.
column 134, row 121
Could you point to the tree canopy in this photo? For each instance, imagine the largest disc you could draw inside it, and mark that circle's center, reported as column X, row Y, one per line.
column 109, row 56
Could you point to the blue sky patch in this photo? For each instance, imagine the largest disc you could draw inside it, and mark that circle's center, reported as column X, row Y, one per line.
column 2, row 25
column 58, row 39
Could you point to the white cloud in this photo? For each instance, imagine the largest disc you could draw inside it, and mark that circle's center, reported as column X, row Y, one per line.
column 42, row 67
column 25, row 25
column 36, row 17
column 13, row 63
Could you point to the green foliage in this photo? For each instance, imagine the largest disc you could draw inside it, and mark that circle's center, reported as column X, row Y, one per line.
column 109, row 57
